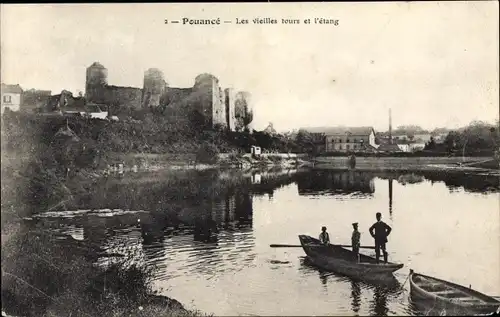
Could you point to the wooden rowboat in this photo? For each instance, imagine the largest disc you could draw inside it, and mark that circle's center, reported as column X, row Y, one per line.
column 341, row 260
column 440, row 294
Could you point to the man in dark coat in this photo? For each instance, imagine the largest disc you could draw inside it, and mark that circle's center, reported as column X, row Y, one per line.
column 380, row 231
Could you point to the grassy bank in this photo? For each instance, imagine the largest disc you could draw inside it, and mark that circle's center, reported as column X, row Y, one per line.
column 189, row 160
column 44, row 275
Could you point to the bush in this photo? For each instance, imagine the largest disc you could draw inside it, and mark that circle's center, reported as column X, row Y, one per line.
column 46, row 276
column 207, row 154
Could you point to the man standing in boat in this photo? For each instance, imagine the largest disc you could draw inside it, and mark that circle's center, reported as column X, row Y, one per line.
column 380, row 231
column 355, row 240
column 324, row 237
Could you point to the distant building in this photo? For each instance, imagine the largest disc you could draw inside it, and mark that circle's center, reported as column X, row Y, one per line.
column 11, row 97
column 347, row 139
column 439, row 137
column 255, row 150
column 421, row 137
column 405, row 143
column 389, row 148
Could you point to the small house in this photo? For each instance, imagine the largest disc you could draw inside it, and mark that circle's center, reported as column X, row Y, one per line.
column 255, row 150
column 11, row 97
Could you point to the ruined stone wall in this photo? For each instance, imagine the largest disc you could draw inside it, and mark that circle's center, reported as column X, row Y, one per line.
column 243, row 111
column 154, row 87
column 218, row 106
column 175, row 95
column 128, row 97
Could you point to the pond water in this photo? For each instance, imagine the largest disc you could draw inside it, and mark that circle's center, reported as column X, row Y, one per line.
column 207, row 233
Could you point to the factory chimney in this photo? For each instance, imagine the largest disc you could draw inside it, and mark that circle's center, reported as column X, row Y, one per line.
column 390, row 126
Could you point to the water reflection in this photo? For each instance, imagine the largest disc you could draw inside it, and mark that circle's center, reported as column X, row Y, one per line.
column 361, row 183
column 356, row 296
column 336, row 183
column 469, row 182
column 378, row 306
column 382, row 290
column 205, row 225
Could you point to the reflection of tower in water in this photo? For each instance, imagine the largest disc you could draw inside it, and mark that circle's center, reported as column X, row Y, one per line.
column 223, row 234
column 153, row 237
column 94, row 234
column 243, row 209
column 230, row 212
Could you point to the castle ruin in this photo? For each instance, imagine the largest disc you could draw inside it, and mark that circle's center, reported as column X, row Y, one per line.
column 222, row 107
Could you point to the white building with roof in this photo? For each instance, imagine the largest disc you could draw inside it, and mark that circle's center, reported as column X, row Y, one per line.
column 347, row 139
column 11, row 97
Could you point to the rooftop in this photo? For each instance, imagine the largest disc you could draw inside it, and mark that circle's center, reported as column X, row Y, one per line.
column 97, row 65
column 361, row 131
column 388, row 148
column 12, row 89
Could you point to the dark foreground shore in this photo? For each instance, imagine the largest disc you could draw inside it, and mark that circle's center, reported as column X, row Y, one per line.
column 44, row 274
column 48, row 275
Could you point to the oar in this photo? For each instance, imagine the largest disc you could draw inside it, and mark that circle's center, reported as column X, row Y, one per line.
column 316, row 245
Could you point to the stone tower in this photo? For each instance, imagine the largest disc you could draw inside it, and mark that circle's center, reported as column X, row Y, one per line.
column 230, row 108
column 243, row 111
column 154, row 88
column 210, row 99
column 95, row 83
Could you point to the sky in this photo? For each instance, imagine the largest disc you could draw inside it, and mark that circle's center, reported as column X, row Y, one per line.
column 435, row 64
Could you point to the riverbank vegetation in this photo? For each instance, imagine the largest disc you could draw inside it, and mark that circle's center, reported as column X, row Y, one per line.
column 48, row 275
column 46, row 163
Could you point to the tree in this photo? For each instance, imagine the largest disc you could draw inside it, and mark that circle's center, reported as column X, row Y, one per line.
column 306, row 142
column 451, row 141
column 431, row 145
column 409, row 130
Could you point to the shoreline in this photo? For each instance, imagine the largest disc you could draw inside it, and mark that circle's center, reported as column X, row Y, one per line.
column 407, row 164
column 151, row 304
column 159, row 162
column 409, row 169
